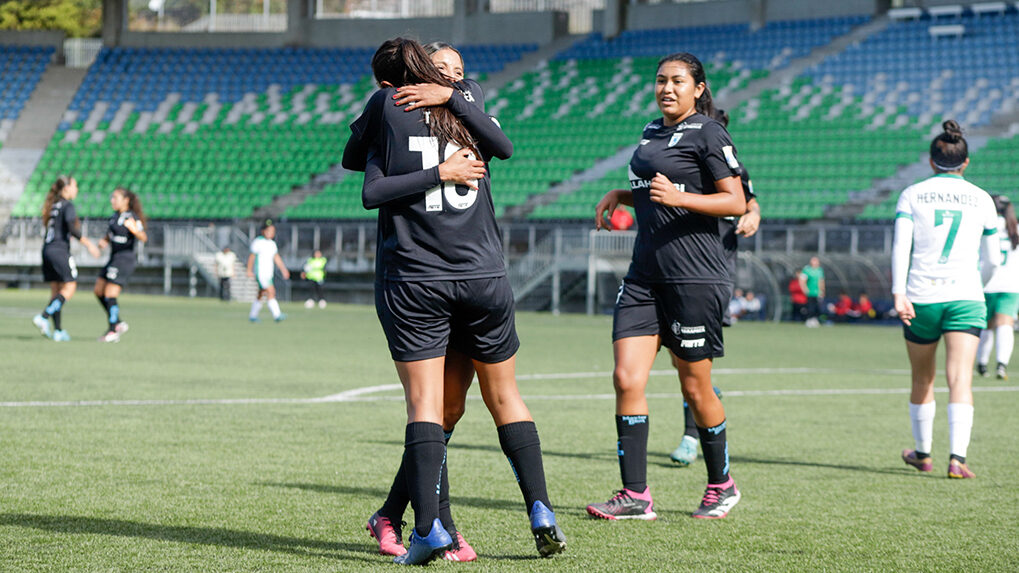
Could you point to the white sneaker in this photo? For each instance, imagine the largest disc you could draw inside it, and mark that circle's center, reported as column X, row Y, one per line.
column 309, row 303
column 43, row 324
column 322, row 303
column 121, row 327
column 111, row 336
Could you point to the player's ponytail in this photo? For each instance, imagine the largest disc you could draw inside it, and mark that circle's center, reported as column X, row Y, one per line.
column 1007, row 210
column 401, row 62
column 53, row 196
column 704, row 104
column 949, row 150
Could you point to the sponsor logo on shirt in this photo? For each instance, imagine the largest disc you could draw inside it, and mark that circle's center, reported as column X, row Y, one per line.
column 730, row 157
column 675, row 139
column 467, row 95
column 652, row 126
column 645, row 141
column 699, row 329
column 683, row 126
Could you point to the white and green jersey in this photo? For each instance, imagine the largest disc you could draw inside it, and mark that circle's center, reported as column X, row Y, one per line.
column 1006, row 277
column 947, row 218
column 265, row 254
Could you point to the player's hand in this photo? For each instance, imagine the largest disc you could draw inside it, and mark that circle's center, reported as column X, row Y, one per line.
column 748, row 224
column 130, row 226
column 93, row 250
column 250, row 274
column 303, row 276
column 904, row 308
column 285, row 273
column 462, row 169
column 665, row 193
column 605, row 208
column 422, row 95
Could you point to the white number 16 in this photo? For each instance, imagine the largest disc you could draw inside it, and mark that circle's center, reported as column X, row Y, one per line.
column 428, row 147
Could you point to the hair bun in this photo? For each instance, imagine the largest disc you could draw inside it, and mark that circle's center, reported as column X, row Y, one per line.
column 952, row 130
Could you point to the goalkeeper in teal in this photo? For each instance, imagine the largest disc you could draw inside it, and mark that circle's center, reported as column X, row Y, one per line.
column 315, row 273
column 946, row 248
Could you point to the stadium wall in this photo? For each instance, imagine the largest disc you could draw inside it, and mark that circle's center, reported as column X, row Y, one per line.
column 513, row 28
column 648, row 16
column 34, row 38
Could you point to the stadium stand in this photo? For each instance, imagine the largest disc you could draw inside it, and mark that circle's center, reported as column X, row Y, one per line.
column 20, row 70
column 212, row 133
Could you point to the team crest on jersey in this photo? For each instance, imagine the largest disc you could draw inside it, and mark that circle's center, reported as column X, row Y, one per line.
column 730, row 157
column 675, row 139
column 676, row 327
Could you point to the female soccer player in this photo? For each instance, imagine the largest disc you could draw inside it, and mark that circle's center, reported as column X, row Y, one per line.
column 127, row 226
column 683, row 175
column 944, row 228
column 264, row 255
column 384, row 524
column 1002, row 294
column 58, row 268
column 440, row 265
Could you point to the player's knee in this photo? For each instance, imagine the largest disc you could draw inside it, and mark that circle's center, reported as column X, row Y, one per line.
column 626, row 381
column 452, row 414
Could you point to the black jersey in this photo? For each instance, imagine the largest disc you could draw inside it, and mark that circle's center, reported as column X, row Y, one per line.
column 62, row 225
column 675, row 245
column 427, row 230
column 727, row 225
column 121, row 239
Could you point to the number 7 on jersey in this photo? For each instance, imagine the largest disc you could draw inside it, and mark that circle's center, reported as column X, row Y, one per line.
column 940, row 216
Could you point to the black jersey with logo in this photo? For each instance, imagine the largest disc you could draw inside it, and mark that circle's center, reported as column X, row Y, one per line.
column 427, row 230
column 62, row 225
column 121, row 239
column 675, row 245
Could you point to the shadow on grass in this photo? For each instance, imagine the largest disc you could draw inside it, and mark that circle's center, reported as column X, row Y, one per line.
column 20, row 337
column 217, row 536
column 380, row 494
column 608, row 455
column 854, row 468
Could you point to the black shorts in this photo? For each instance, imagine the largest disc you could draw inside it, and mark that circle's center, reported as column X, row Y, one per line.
column 635, row 313
column 118, row 269
column 690, row 318
column 58, row 266
column 474, row 317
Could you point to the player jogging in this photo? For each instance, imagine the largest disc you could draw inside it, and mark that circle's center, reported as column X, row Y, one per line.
column 458, row 371
column 126, row 227
column 262, row 264
column 1002, row 295
column 944, row 228
column 683, row 175
column 440, row 265
column 60, row 219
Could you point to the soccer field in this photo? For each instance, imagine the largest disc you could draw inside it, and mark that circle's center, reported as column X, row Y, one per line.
column 201, row 442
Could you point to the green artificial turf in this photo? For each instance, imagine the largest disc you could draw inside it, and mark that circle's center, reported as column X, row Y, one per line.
column 204, row 449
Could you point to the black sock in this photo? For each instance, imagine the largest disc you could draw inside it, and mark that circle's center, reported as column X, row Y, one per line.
column 106, row 306
column 960, row 459
column 691, row 426
column 921, row 455
column 54, row 306
column 522, row 447
column 56, row 321
column 445, row 515
column 114, row 311
column 399, row 496
column 423, row 451
column 716, row 453
column 631, row 447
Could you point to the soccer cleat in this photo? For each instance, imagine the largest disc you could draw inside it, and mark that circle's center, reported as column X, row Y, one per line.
column 322, row 303
column 254, row 319
column 686, row 453
column 1001, row 371
column 110, row 336
column 626, row 504
column 547, row 536
column 389, row 536
column 309, row 303
column 982, row 370
column 280, row 318
column 959, row 470
column 43, row 324
column 461, row 550
column 718, row 500
column 121, row 327
column 61, row 336
column 424, row 549
column 922, row 464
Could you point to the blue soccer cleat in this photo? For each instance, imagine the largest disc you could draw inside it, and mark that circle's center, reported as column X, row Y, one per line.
column 547, row 535
column 280, row 318
column 254, row 319
column 61, row 336
column 424, row 549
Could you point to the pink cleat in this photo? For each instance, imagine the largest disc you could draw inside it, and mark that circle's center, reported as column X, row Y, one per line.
column 461, row 550
column 959, row 470
column 626, row 504
column 921, row 464
column 388, row 535
column 718, row 500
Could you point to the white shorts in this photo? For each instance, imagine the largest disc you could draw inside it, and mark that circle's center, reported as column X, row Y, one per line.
column 264, row 280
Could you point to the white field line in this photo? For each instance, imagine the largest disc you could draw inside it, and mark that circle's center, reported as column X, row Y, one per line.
column 365, row 394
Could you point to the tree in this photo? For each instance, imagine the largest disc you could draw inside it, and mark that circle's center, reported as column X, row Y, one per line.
column 76, row 18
